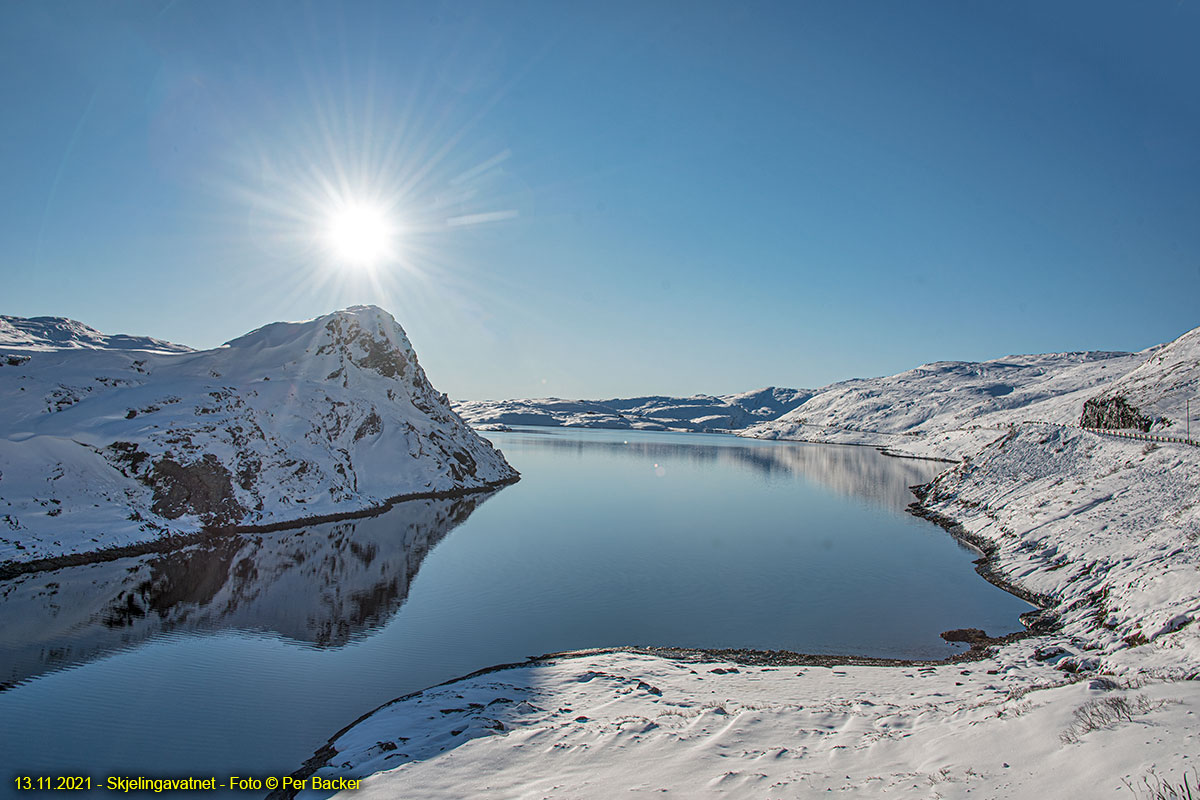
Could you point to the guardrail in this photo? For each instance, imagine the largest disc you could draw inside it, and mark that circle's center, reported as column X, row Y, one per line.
column 1147, row 437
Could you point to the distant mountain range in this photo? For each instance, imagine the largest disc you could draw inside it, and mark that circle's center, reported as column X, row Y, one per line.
column 652, row 413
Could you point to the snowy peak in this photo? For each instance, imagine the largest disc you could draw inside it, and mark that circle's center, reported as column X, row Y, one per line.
column 369, row 338
column 332, row 347
column 60, row 333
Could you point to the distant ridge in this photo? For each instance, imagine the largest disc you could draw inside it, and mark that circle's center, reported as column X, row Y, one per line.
column 698, row 413
column 54, row 333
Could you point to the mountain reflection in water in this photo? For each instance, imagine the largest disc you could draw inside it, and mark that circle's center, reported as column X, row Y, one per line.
column 850, row 470
column 322, row 585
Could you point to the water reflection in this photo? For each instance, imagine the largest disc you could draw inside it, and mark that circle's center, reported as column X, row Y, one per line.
column 849, row 470
column 323, row 585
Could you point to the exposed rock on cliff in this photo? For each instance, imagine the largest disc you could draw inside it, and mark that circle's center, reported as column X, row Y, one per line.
column 1113, row 413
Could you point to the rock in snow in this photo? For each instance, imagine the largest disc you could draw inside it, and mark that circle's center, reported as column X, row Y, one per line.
column 119, row 440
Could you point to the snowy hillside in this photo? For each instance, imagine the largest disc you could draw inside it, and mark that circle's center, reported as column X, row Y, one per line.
column 105, row 445
column 952, row 408
column 654, row 413
column 1158, row 389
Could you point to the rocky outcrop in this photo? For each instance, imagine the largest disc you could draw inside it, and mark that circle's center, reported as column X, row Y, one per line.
column 203, row 487
column 1113, row 413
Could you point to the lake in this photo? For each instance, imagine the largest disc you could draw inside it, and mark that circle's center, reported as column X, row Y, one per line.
column 242, row 655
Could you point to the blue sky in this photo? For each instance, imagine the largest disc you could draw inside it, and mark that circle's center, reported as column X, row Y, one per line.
column 614, row 198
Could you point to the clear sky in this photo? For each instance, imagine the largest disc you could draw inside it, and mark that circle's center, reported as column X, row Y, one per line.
column 613, row 198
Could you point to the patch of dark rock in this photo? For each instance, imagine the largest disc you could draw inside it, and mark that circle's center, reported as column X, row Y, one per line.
column 466, row 466
column 128, row 456
column 1113, row 413
column 203, row 487
column 1047, row 653
column 248, row 473
column 369, row 427
column 382, row 357
column 970, row 636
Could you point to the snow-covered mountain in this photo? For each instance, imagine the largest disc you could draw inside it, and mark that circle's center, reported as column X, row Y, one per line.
column 110, row 441
column 653, row 413
column 952, row 407
column 955, row 408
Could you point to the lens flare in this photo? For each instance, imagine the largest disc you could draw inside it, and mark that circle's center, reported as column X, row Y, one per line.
column 360, row 235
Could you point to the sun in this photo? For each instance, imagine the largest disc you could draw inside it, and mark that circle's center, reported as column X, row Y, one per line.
column 360, row 235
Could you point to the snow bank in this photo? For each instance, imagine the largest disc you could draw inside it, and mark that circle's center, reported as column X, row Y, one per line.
column 629, row 725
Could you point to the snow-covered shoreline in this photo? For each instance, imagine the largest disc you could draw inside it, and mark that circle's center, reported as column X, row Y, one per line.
column 1100, row 526
column 173, row 542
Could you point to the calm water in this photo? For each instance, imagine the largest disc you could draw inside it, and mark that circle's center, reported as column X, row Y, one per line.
column 244, row 655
